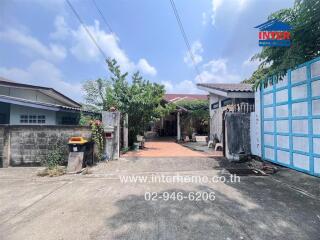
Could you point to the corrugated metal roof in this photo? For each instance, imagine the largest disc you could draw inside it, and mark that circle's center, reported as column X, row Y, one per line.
column 172, row 97
column 2, row 79
column 48, row 91
column 22, row 101
column 228, row 87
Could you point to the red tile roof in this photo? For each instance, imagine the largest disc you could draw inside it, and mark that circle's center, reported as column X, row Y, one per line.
column 178, row 97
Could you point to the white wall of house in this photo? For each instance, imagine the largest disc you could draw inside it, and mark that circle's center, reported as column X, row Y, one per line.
column 16, row 111
column 213, row 99
column 216, row 114
column 215, row 117
column 28, row 94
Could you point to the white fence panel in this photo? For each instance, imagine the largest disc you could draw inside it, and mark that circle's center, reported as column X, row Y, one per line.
column 290, row 119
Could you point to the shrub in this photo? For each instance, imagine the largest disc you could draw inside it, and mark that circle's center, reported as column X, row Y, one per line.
column 55, row 156
column 97, row 137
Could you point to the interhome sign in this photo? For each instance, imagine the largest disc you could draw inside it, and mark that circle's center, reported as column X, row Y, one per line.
column 274, row 33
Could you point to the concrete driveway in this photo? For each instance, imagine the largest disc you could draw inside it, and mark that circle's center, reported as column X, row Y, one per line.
column 167, row 147
column 99, row 206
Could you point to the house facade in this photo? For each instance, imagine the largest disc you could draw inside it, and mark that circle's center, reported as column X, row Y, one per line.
column 24, row 104
column 226, row 97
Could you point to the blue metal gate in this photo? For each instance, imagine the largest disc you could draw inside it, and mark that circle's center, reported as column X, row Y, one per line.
column 290, row 118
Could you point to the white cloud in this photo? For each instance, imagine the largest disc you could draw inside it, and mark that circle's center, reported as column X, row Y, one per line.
column 146, row 68
column 216, row 4
column 85, row 50
column 43, row 73
column 196, row 50
column 216, row 66
column 185, row 86
column 32, row 46
column 216, row 71
column 61, row 28
column 243, row 4
column 168, row 86
column 54, row 5
column 204, row 18
column 237, row 5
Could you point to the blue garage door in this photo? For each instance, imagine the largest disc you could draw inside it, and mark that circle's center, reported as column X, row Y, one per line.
column 290, row 113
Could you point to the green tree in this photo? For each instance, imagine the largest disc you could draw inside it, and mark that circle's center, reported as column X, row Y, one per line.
column 304, row 17
column 140, row 99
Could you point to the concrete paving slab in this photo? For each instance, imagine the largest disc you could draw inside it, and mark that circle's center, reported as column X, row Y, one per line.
column 99, row 206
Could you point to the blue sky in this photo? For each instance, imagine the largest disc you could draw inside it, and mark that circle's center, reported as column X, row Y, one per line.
column 42, row 42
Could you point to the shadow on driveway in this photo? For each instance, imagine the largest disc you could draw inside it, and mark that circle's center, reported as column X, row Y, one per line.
column 256, row 209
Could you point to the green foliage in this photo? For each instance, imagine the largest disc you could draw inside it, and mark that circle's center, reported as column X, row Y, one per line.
column 257, row 76
column 141, row 99
column 56, row 155
column 196, row 107
column 85, row 120
column 124, row 150
column 304, row 17
column 198, row 115
column 163, row 110
column 97, row 137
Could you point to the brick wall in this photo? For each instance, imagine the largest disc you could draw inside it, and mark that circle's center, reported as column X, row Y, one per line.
column 28, row 145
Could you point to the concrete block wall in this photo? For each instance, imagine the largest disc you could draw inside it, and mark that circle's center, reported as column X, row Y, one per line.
column 28, row 145
column 1, row 145
column 237, row 135
column 4, row 147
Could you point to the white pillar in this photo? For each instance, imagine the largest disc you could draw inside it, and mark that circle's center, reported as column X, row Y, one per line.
column 125, row 131
column 178, row 127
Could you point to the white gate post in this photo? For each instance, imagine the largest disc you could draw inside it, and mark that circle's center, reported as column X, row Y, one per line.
column 125, row 131
column 178, row 127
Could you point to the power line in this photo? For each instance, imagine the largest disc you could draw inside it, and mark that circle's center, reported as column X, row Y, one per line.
column 184, row 35
column 104, row 19
column 86, row 29
column 102, row 16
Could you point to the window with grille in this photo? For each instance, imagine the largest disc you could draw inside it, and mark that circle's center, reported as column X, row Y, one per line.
column 32, row 119
column 41, row 119
column 23, row 118
column 215, row 105
column 69, row 120
column 226, row 102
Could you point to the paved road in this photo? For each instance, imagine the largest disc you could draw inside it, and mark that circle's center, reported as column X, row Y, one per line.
column 99, row 206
